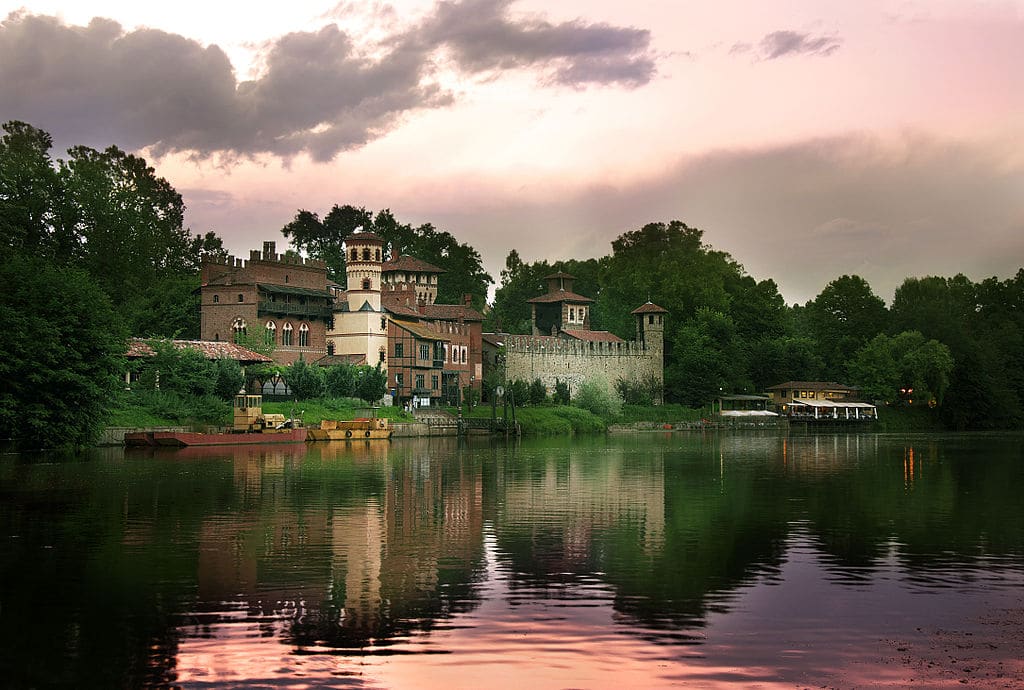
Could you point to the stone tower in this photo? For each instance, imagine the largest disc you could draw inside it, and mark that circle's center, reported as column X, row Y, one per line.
column 650, row 326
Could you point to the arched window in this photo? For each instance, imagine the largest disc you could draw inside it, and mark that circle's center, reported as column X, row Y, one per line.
column 366, row 283
column 330, row 349
column 238, row 326
column 241, row 297
column 464, row 354
column 383, row 323
column 355, row 254
column 366, row 253
column 270, row 333
column 303, row 335
column 216, row 299
column 378, row 255
column 572, row 315
column 381, row 356
column 286, row 334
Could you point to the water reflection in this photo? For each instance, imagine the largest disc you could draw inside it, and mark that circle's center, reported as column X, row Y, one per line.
column 589, row 562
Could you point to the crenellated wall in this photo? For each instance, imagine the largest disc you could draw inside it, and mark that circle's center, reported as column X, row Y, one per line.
column 550, row 358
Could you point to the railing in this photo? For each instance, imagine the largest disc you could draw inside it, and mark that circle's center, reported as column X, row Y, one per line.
column 317, row 311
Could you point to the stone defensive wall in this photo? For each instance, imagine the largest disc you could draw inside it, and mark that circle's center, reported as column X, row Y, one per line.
column 574, row 361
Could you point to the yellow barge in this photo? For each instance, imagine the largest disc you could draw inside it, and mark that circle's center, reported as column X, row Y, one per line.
column 361, row 429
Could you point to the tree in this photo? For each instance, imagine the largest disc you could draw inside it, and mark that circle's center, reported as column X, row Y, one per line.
column 306, row 381
column 324, row 240
column 340, row 381
column 842, row 318
column 63, row 358
column 371, row 383
column 538, row 392
column 561, row 392
column 108, row 213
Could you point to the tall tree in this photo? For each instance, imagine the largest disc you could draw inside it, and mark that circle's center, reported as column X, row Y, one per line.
column 842, row 318
column 63, row 352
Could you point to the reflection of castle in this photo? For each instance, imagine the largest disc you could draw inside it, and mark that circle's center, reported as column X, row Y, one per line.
column 364, row 551
column 562, row 346
column 591, row 499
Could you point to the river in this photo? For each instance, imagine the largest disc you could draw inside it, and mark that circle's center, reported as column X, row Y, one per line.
column 633, row 560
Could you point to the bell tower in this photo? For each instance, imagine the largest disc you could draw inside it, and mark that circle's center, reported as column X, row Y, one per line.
column 363, row 259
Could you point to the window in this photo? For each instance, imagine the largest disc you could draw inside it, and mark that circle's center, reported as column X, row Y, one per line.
column 355, row 254
column 383, row 323
column 398, row 379
column 582, row 313
column 286, row 334
column 572, row 315
column 216, row 299
column 381, row 355
column 377, row 254
column 424, row 351
column 464, row 349
column 399, row 350
column 241, row 297
column 650, row 318
column 433, row 382
column 419, row 380
column 285, row 277
column 238, row 326
column 330, row 349
column 269, row 333
column 366, row 253
column 366, row 283
column 303, row 335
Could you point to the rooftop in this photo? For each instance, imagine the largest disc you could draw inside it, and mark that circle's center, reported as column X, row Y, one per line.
column 212, row 349
column 649, row 308
column 560, row 296
column 409, row 264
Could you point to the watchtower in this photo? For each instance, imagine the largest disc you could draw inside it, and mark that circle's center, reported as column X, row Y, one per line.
column 650, row 325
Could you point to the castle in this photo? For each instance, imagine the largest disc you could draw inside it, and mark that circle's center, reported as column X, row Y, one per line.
column 573, row 353
column 387, row 314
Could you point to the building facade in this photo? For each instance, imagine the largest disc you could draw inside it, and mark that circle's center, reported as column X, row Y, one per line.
column 272, row 299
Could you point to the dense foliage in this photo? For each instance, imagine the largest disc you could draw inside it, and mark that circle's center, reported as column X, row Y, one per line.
column 324, row 239
column 63, row 350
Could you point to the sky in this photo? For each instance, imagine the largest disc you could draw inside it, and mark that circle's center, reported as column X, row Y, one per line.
column 808, row 138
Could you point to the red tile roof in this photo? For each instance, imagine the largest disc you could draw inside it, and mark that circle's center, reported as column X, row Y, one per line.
column 212, row 349
column 649, row 308
column 410, row 264
column 812, row 385
column 594, row 336
column 365, row 237
column 560, row 296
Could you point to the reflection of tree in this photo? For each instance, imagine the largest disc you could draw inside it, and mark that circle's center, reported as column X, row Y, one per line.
column 666, row 529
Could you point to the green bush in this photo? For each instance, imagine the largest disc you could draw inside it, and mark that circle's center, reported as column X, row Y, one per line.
column 340, row 381
column 561, row 392
column 538, row 392
column 598, row 396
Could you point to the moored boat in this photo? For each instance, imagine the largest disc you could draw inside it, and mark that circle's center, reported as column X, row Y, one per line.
column 361, row 429
column 250, row 425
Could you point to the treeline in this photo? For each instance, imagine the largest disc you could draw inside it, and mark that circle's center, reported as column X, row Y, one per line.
column 92, row 249
column 324, row 239
column 949, row 343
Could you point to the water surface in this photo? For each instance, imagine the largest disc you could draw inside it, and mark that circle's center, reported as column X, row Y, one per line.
column 649, row 560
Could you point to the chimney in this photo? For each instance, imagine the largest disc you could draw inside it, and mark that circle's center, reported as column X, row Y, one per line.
column 421, row 306
column 467, row 300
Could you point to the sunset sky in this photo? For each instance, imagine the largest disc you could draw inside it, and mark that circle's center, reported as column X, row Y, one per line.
column 807, row 138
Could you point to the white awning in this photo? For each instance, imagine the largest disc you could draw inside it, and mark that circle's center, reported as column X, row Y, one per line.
column 747, row 413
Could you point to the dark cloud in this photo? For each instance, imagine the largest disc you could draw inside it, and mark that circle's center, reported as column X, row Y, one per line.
column 317, row 92
column 802, row 214
column 483, row 37
column 782, row 43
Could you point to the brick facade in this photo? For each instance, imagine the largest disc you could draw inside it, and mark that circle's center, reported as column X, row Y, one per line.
column 288, row 294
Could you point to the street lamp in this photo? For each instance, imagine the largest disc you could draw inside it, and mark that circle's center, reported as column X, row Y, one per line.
column 472, row 378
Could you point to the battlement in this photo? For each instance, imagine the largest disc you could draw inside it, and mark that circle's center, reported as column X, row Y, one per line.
column 255, row 256
column 546, row 345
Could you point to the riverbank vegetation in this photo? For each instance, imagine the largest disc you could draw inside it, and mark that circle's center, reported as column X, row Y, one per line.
column 93, row 250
